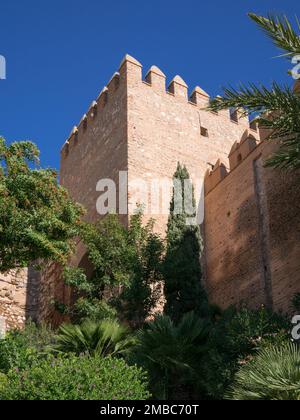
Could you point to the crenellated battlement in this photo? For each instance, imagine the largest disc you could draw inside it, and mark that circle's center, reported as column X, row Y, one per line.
column 94, row 109
column 239, row 152
column 215, row 176
column 129, row 74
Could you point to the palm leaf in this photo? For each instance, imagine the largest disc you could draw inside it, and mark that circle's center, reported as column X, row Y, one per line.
column 281, row 32
column 273, row 375
column 105, row 338
column 171, row 352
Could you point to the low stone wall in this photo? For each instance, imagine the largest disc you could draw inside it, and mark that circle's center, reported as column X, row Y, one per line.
column 18, row 297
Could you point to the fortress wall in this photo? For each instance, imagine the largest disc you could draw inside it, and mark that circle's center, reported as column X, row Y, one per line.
column 283, row 192
column 252, row 230
column 97, row 148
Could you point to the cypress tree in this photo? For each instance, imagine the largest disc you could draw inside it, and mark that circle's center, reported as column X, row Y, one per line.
column 182, row 269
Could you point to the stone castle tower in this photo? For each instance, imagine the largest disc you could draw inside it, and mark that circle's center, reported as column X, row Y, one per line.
column 143, row 128
column 249, row 214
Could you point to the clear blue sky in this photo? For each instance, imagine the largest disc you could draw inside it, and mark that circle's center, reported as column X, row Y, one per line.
column 61, row 53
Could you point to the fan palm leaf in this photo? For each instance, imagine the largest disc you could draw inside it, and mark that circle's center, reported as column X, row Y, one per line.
column 105, row 338
column 171, row 352
column 274, row 374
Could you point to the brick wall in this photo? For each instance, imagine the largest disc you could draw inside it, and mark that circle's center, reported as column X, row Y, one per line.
column 252, row 230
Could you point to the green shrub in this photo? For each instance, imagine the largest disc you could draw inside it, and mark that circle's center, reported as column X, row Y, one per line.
column 77, row 378
column 20, row 348
column 274, row 374
column 171, row 354
column 235, row 338
column 101, row 338
column 3, row 382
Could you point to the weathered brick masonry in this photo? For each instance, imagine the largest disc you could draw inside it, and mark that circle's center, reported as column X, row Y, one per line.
column 252, row 230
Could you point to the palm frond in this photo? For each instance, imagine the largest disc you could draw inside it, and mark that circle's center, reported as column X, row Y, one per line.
column 277, row 110
column 255, row 99
column 105, row 338
column 274, row 374
column 281, row 32
column 171, row 352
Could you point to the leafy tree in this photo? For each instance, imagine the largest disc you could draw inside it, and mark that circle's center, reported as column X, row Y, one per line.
column 125, row 271
column 182, row 269
column 104, row 338
column 139, row 298
column 274, row 374
column 172, row 354
column 37, row 217
column 277, row 108
column 73, row 378
column 110, row 268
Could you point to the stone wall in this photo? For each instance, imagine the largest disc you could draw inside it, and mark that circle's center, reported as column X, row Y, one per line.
column 252, row 230
column 51, row 292
column 18, row 297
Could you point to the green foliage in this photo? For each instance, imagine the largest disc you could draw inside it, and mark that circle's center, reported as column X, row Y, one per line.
column 284, row 125
column 182, row 270
column 235, row 338
column 95, row 309
column 102, row 338
column 139, row 298
column 171, row 354
column 37, row 217
column 20, row 348
column 274, row 374
column 126, row 268
column 107, row 251
column 278, row 108
column 3, row 382
column 77, row 378
column 296, row 302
